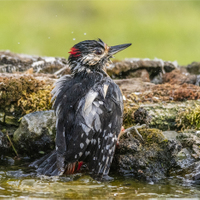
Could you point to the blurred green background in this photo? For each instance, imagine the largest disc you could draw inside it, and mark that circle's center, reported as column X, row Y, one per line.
column 169, row 30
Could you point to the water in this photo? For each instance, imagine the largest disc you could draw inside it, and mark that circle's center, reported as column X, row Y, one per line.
column 17, row 180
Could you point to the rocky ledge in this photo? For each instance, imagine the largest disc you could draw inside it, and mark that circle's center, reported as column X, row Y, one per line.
column 160, row 94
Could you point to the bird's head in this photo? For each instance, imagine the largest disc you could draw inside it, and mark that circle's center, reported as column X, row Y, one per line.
column 92, row 54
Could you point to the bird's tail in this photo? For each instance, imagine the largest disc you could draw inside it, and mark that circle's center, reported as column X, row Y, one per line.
column 47, row 165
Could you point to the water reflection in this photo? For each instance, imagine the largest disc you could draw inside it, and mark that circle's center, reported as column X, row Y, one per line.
column 19, row 181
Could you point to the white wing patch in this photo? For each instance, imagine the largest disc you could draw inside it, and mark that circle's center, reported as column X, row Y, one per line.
column 90, row 97
column 105, row 89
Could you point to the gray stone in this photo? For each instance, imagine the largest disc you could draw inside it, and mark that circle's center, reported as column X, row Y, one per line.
column 12, row 62
column 188, row 159
column 170, row 135
column 197, row 80
column 154, row 67
column 183, row 154
column 157, row 79
column 36, row 133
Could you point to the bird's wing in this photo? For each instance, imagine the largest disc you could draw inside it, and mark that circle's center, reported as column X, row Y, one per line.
column 64, row 109
column 69, row 94
column 111, row 120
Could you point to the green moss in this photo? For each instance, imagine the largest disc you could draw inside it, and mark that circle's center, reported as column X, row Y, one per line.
column 128, row 119
column 189, row 117
column 152, row 136
column 36, row 101
column 22, row 95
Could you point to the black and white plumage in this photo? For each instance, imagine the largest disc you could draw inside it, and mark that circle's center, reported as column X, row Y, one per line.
column 89, row 109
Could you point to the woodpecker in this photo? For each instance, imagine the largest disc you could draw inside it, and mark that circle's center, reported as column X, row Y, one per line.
column 89, row 109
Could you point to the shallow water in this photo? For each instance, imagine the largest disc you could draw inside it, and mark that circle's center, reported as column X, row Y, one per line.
column 17, row 180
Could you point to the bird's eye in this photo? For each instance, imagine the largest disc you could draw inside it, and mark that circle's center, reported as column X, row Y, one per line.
column 98, row 51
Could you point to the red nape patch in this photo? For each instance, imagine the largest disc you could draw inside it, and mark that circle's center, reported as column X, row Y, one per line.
column 75, row 52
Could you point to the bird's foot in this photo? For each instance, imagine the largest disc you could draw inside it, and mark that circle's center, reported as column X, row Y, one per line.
column 133, row 128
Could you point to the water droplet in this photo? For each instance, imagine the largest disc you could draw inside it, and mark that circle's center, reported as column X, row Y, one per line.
column 74, row 38
column 85, row 33
column 48, row 37
column 56, row 15
column 18, row 43
column 72, row 32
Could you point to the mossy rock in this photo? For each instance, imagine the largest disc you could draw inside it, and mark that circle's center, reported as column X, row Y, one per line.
column 166, row 116
column 152, row 135
column 149, row 160
column 21, row 95
column 189, row 117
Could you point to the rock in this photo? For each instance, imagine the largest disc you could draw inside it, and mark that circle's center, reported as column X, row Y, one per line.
column 158, row 79
column 5, row 146
column 141, row 116
column 129, row 86
column 189, row 172
column 21, row 94
column 11, row 62
column 190, row 139
column 144, row 68
column 122, row 69
column 179, row 77
column 197, row 80
column 184, row 154
column 6, row 161
column 3, row 143
column 149, row 92
column 170, row 135
column 194, row 68
column 184, row 161
column 140, row 73
column 36, row 133
column 150, row 160
column 188, row 159
column 164, row 114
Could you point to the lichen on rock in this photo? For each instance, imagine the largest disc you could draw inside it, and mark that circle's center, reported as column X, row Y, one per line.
column 189, row 117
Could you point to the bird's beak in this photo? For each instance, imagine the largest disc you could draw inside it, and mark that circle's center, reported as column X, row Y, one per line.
column 115, row 49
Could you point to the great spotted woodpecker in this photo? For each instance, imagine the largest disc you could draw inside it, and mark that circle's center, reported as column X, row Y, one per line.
column 89, row 109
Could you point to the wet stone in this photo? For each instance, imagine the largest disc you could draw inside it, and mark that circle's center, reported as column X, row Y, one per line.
column 150, row 160
column 36, row 133
column 188, row 159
